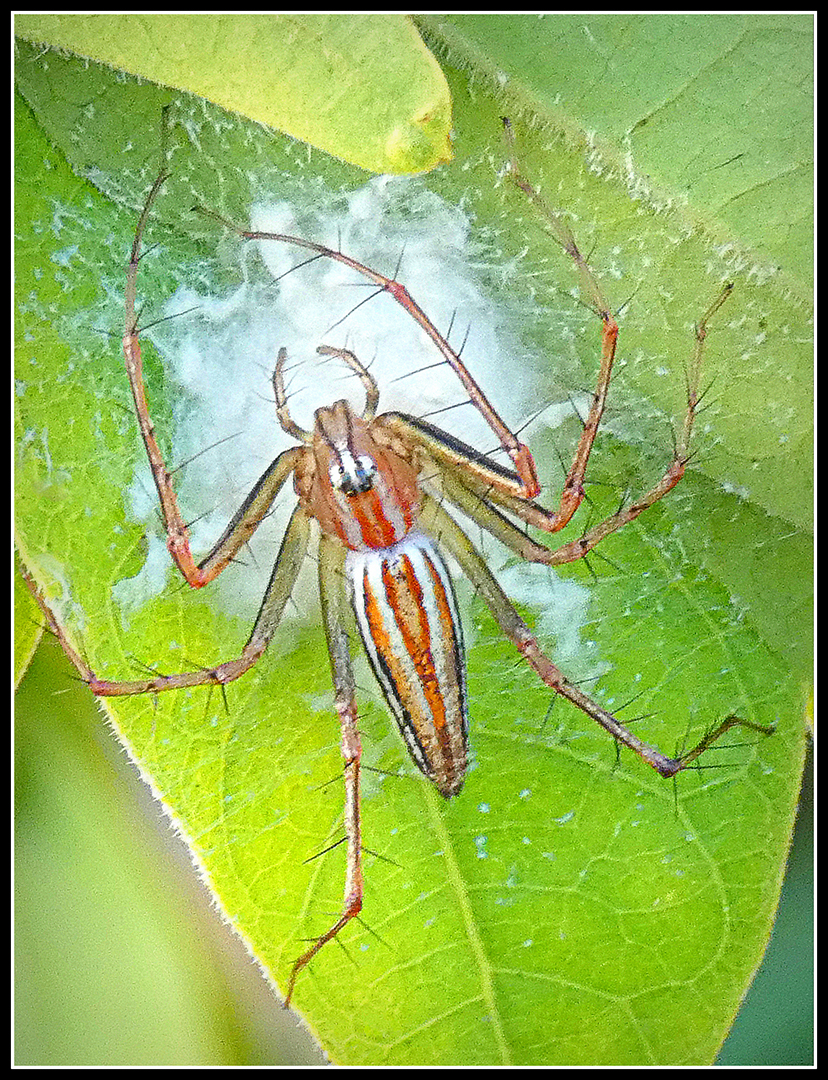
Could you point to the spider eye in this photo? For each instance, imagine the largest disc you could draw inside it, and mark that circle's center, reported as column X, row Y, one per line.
column 353, row 476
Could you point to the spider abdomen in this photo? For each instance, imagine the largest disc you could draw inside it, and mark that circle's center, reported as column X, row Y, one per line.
column 407, row 615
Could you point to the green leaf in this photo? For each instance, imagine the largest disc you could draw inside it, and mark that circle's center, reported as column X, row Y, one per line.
column 713, row 113
column 312, row 76
column 564, row 908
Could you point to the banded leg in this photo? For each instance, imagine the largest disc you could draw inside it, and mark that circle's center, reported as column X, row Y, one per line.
column 285, row 572
column 573, row 489
column 336, row 617
column 250, row 514
column 441, row 525
column 247, row 520
column 178, row 540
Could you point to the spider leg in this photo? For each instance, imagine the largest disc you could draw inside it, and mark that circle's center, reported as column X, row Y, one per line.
column 247, row 520
column 285, row 572
column 250, row 514
column 178, row 541
column 451, row 536
column 573, row 491
column 335, row 618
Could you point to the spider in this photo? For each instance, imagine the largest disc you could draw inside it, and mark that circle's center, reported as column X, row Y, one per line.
column 376, row 485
